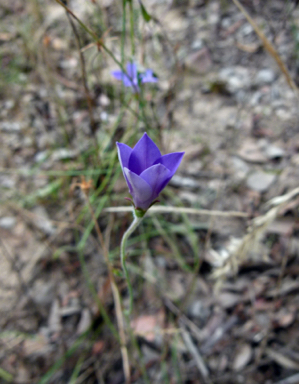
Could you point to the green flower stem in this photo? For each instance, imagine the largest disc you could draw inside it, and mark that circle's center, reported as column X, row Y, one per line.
column 123, row 34
column 132, row 34
column 129, row 231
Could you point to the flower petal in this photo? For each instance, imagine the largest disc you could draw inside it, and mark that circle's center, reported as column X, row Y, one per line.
column 141, row 191
column 148, row 77
column 171, row 161
column 119, row 75
column 144, row 155
column 128, row 82
column 132, row 71
column 157, row 176
column 124, row 152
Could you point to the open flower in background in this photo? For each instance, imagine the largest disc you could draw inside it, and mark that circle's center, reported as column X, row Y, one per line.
column 132, row 78
column 146, row 171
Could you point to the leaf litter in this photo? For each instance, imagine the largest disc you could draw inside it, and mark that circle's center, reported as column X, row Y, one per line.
column 218, row 106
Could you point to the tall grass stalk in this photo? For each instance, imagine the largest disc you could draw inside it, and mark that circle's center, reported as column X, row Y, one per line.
column 115, row 292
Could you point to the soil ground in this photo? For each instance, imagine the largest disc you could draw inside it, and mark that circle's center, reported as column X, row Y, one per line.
column 215, row 288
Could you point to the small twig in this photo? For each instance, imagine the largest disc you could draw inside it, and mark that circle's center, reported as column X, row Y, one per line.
column 254, row 234
column 191, row 211
column 203, row 370
column 289, row 380
column 98, row 40
column 218, row 335
column 268, row 45
column 281, row 359
column 88, row 30
column 183, row 319
column 68, row 83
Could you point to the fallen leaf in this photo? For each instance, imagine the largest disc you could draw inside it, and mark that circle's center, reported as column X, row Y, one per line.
column 85, row 321
column 148, row 325
column 37, row 345
column 98, row 347
column 282, row 359
column 284, row 318
column 282, row 227
column 228, row 299
column 243, row 356
column 145, row 326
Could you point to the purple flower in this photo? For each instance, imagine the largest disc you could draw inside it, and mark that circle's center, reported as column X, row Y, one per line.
column 146, row 171
column 132, row 78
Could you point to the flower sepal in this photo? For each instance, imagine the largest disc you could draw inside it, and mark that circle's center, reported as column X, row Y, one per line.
column 138, row 212
column 130, row 201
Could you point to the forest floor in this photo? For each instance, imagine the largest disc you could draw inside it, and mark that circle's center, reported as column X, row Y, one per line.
column 215, row 264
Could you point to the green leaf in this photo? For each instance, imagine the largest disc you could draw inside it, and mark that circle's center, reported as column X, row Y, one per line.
column 6, row 376
column 147, row 17
column 118, row 273
column 44, row 192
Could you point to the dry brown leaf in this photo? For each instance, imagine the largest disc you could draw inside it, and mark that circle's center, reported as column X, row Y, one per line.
column 285, row 318
column 228, row 299
column 36, row 345
column 148, row 325
column 282, row 227
column 250, row 151
column 145, row 326
column 98, row 347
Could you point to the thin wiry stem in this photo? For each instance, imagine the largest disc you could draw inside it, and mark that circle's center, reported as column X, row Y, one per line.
column 126, row 235
column 116, row 296
column 132, row 34
column 84, row 76
column 97, row 40
column 123, row 34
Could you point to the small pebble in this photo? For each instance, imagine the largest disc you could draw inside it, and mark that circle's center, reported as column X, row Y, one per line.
column 260, row 181
column 264, row 76
column 7, row 222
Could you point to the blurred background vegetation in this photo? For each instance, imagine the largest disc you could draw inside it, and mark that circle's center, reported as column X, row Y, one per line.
column 214, row 270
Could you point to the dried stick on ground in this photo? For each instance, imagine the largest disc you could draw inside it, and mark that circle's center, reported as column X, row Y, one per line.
column 191, row 211
column 255, row 233
column 203, row 370
column 290, row 380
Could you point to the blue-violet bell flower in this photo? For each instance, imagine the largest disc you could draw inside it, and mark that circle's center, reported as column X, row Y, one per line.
column 132, row 78
column 146, row 171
